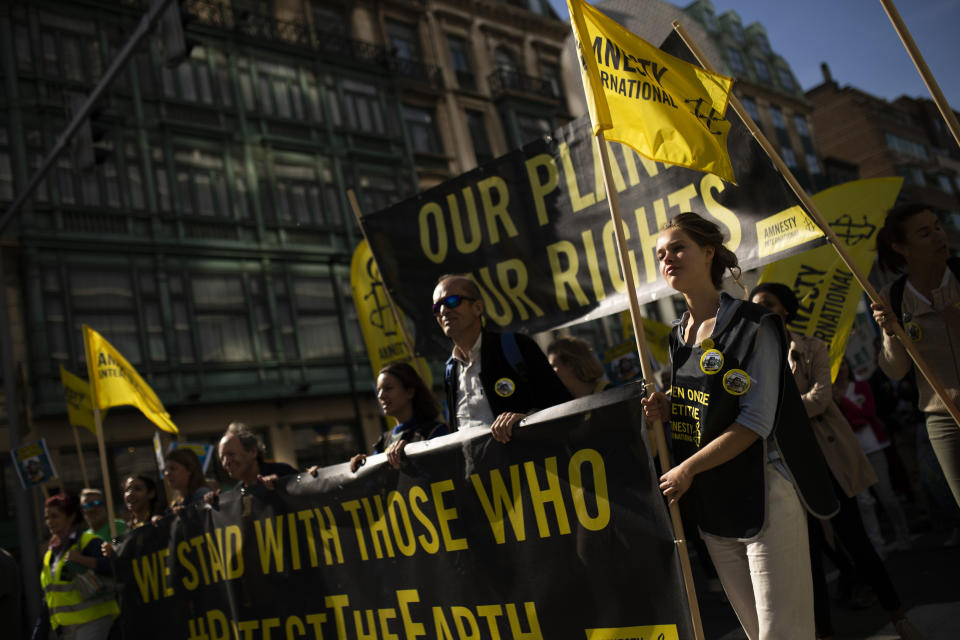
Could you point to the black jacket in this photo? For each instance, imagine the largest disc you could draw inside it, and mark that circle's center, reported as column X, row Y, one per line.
column 532, row 385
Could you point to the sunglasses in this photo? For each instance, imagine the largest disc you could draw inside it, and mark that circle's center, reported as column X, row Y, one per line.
column 450, row 302
column 92, row 504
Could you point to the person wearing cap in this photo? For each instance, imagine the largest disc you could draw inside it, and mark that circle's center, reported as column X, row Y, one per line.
column 850, row 469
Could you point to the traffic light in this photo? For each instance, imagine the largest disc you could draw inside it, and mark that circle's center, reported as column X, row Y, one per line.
column 173, row 26
column 85, row 145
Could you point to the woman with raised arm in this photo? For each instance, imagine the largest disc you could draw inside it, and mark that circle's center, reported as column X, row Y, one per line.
column 925, row 300
column 742, row 446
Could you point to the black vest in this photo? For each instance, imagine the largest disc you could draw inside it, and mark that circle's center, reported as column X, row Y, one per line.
column 708, row 381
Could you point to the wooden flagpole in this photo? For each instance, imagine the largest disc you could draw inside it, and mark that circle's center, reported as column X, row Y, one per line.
column 97, row 422
column 83, row 465
column 825, row 227
column 660, row 441
column 401, row 325
column 922, row 68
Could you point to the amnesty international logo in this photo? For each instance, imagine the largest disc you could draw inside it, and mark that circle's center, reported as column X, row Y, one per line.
column 380, row 315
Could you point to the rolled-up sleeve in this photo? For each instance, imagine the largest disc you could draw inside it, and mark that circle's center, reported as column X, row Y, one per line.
column 758, row 406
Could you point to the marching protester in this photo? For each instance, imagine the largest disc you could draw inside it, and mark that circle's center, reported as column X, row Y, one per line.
column 242, row 456
column 95, row 513
column 404, row 396
column 741, row 442
column 926, row 301
column 577, row 366
column 184, row 474
column 73, row 605
column 855, row 399
column 491, row 379
column 850, row 470
column 141, row 499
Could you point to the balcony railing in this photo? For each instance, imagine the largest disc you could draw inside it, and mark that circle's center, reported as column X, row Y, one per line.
column 510, row 80
column 214, row 14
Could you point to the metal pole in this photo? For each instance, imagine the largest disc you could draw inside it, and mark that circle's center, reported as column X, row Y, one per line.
column 142, row 31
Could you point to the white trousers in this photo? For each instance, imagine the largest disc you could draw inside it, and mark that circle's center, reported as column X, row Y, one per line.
column 767, row 579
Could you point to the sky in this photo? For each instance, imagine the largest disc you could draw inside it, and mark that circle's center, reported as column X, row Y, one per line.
column 857, row 40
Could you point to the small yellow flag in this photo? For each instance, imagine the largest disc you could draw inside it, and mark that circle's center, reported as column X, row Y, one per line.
column 666, row 109
column 76, row 393
column 114, row 382
column 827, row 291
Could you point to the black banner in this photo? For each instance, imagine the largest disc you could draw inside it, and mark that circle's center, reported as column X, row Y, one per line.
column 561, row 533
column 533, row 228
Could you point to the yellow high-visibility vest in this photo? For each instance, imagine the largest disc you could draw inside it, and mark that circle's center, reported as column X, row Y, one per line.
column 67, row 606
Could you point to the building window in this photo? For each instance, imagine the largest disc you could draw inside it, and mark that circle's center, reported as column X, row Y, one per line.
column 789, row 158
column 786, row 79
column 201, row 184
column 318, row 327
column 362, row 107
column 105, row 301
column 422, row 129
column 551, row 73
column 302, row 194
column 907, row 147
column 762, row 43
column 801, row 125
column 751, row 106
column 181, row 319
column 505, row 60
column 222, row 317
column 404, row 40
column 69, row 49
column 710, row 19
column 328, row 19
column 736, row 60
column 279, row 91
column 912, row 176
column 460, row 59
column 763, row 70
column 736, row 30
column 813, row 165
column 55, row 315
column 377, row 191
column 776, row 115
column 945, row 183
column 479, row 136
column 191, row 80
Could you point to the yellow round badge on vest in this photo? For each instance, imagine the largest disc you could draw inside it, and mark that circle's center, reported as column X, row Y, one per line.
column 707, row 344
column 913, row 330
column 736, row 382
column 711, row 362
column 504, row 387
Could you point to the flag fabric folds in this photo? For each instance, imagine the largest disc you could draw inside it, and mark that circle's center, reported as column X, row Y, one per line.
column 114, row 382
column 663, row 107
column 76, row 393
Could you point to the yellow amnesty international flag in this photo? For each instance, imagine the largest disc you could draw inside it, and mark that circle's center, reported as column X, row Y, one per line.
column 663, row 107
column 76, row 393
column 114, row 382
column 827, row 291
column 381, row 329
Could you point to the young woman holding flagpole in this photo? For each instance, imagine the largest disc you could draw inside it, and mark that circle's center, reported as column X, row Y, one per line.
column 747, row 463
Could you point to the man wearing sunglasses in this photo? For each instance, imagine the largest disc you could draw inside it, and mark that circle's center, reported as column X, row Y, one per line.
column 94, row 509
column 492, row 380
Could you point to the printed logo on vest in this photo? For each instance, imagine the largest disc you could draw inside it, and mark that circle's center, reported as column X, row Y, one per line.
column 711, row 362
column 736, row 382
column 913, row 330
column 504, row 387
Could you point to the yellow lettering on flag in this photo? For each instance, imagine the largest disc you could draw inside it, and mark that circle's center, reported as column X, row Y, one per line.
column 380, row 328
column 827, row 291
column 653, row 631
column 657, row 334
column 785, row 230
column 663, row 107
column 114, row 382
column 76, row 393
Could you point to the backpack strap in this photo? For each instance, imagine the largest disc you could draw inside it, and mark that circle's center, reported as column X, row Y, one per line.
column 896, row 297
column 511, row 350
